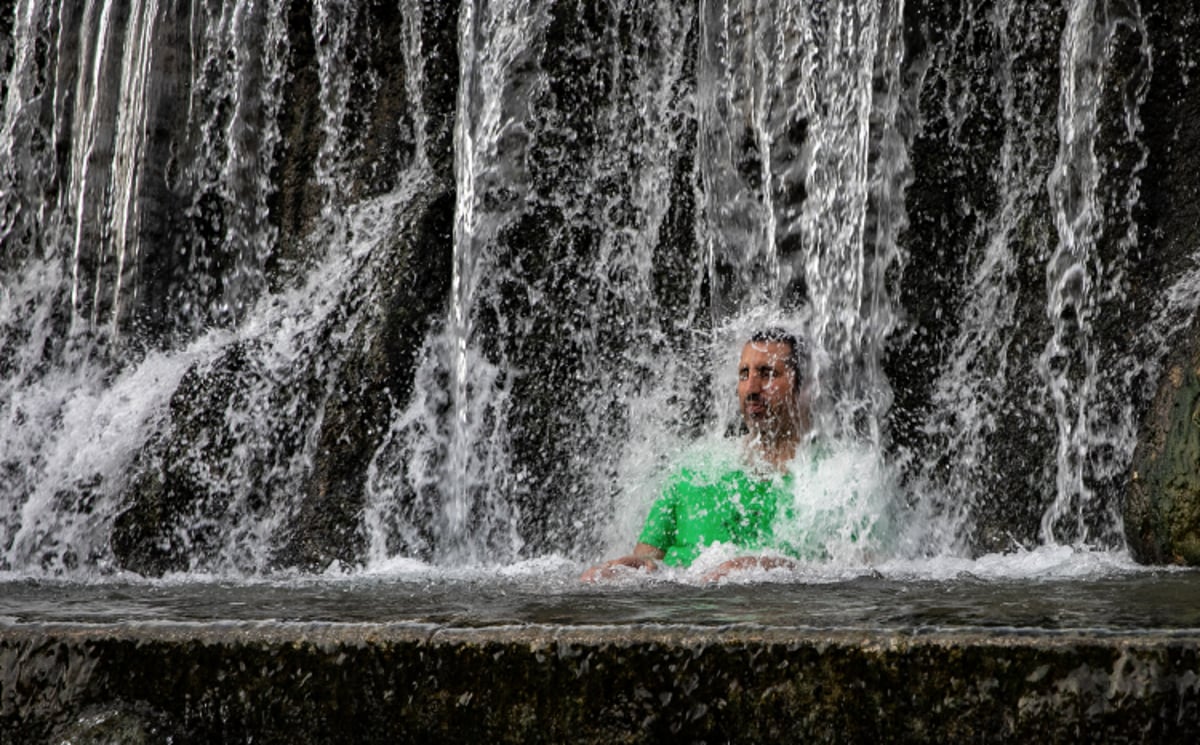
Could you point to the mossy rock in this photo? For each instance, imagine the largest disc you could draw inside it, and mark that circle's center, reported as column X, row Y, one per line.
column 1162, row 514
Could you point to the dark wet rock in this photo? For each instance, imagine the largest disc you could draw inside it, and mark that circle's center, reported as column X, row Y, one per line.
column 356, row 367
column 238, row 424
column 379, row 683
column 179, row 477
column 953, row 64
column 1162, row 513
column 1162, row 510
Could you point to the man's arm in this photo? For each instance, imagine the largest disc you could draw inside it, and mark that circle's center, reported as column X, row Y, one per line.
column 644, row 556
column 742, row 563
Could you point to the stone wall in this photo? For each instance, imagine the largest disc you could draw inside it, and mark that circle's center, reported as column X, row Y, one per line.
column 410, row 683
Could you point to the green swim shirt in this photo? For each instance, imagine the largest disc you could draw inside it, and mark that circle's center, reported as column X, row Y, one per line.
column 699, row 509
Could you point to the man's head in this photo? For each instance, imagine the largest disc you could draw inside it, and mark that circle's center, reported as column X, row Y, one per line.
column 770, row 385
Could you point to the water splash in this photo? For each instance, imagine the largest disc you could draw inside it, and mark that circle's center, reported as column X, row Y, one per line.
column 1084, row 282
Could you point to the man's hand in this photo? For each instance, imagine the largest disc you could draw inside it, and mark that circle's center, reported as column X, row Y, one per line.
column 644, row 556
column 743, row 563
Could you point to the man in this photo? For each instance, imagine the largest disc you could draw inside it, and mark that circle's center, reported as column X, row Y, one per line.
column 739, row 506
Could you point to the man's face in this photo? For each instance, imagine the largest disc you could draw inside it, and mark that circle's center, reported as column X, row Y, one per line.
column 767, row 387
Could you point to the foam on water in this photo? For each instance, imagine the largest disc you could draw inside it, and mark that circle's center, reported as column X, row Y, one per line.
column 1041, row 563
column 1049, row 563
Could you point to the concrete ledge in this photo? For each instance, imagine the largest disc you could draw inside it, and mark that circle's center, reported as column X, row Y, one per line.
column 237, row 682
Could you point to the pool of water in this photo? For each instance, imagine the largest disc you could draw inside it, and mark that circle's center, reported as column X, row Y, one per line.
column 1070, row 593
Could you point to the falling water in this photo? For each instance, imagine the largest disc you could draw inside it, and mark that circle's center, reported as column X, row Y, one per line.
column 498, row 43
column 332, row 24
column 467, row 488
column 970, row 393
column 80, row 402
column 238, row 54
column 625, row 187
column 459, row 472
column 798, row 116
column 997, row 388
column 1083, row 284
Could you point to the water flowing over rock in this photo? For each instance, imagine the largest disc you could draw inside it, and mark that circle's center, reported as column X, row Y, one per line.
column 316, row 283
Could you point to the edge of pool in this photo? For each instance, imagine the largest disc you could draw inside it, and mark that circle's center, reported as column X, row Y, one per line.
column 268, row 681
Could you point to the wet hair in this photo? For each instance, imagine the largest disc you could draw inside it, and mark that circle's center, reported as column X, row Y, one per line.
column 795, row 357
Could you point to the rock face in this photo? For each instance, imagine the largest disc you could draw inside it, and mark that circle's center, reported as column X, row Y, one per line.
column 414, row 684
column 1162, row 514
column 1162, row 511
column 357, row 365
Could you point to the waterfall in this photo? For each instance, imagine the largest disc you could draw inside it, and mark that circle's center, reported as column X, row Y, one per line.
column 305, row 284
column 235, row 83
column 798, row 107
column 83, row 395
column 1010, row 376
column 970, row 392
column 499, row 79
column 332, row 23
column 1083, row 284
column 580, row 319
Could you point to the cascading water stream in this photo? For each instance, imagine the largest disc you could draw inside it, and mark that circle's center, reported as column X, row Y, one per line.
column 332, row 23
column 414, row 80
column 798, row 108
column 1006, row 379
column 75, row 263
column 498, row 44
column 973, row 392
column 1083, row 283
column 465, row 481
column 237, row 64
column 613, row 188
column 78, row 400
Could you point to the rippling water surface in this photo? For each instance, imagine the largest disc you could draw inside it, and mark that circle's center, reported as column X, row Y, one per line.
column 1046, row 590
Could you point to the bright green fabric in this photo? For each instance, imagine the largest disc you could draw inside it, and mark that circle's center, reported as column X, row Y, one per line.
column 833, row 504
column 697, row 510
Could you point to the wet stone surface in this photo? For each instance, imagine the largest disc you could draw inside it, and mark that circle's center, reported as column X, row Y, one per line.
column 645, row 683
column 545, row 659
